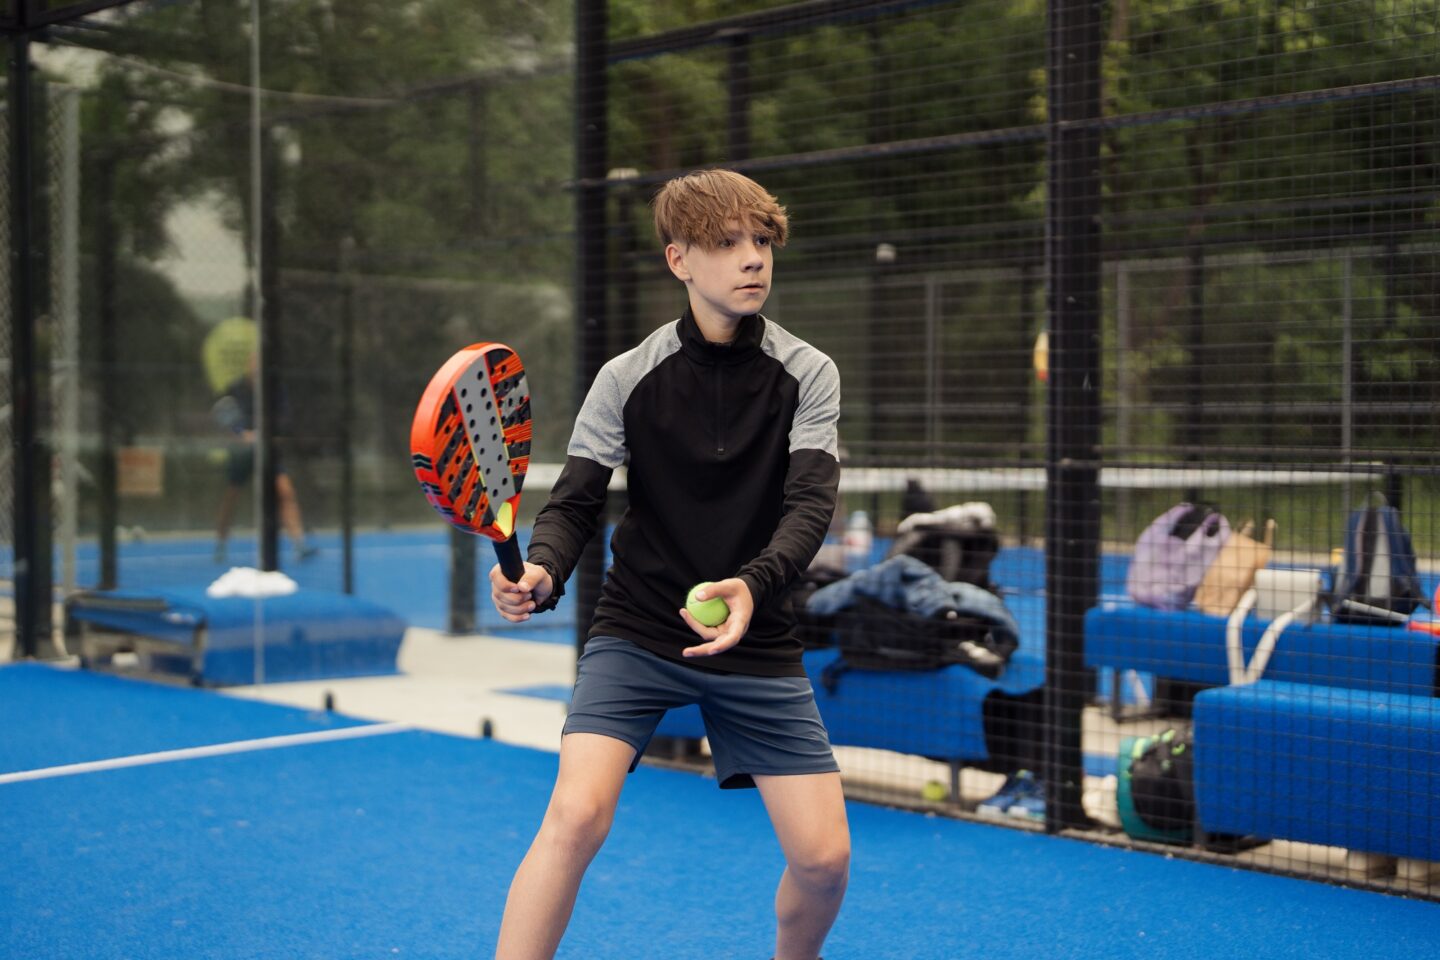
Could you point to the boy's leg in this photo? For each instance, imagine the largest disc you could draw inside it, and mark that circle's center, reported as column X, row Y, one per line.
column 222, row 520
column 290, row 514
column 808, row 811
column 542, row 895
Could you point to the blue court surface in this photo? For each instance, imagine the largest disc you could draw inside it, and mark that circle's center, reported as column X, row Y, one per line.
column 338, row 844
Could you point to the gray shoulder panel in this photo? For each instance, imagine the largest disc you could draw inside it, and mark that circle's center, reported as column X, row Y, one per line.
column 599, row 433
column 818, row 412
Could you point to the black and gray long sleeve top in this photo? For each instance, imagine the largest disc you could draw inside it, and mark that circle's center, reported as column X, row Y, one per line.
column 731, row 470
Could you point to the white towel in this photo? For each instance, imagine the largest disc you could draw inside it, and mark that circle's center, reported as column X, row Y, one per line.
column 974, row 516
column 249, row 582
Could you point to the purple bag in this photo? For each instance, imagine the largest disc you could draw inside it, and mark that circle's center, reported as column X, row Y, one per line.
column 1172, row 555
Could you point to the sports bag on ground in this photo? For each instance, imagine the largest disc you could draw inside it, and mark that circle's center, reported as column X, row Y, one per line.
column 1156, row 794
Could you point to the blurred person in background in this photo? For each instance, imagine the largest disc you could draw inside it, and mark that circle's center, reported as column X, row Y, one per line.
column 235, row 411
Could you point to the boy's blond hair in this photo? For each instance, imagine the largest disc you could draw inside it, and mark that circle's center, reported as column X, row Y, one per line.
column 697, row 208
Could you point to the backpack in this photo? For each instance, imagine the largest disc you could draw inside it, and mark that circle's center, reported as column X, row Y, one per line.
column 1173, row 553
column 1156, row 793
column 1380, row 581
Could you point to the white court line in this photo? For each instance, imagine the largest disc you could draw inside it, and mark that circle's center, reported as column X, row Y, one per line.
column 213, row 750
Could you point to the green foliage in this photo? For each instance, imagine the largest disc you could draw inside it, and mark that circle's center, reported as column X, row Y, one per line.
column 430, row 140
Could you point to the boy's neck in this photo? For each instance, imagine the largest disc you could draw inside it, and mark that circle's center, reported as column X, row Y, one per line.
column 716, row 328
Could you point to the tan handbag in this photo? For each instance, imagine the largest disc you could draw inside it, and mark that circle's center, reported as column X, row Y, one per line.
column 1233, row 570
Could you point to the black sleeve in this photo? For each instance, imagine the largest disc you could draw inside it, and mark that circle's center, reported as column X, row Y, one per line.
column 812, row 486
column 568, row 521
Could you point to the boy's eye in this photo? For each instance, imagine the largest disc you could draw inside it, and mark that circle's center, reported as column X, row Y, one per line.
column 762, row 241
column 727, row 242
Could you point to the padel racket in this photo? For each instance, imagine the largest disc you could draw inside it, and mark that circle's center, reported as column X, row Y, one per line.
column 470, row 445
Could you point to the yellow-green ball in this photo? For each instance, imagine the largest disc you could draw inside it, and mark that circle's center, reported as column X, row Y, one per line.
column 934, row 791
column 712, row 612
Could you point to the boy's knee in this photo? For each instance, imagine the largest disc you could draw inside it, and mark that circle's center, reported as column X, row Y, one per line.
column 826, row 867
column 578, row 823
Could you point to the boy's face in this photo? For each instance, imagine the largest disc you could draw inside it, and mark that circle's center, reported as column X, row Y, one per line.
column 729, row 281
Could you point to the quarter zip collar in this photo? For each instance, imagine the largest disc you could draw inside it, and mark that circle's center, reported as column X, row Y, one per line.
column 745, row 345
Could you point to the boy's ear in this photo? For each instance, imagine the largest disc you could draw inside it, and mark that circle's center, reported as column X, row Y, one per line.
column 675, row 260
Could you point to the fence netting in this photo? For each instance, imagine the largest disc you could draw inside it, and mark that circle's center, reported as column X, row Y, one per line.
column 1265, row 194
column 1223, row 647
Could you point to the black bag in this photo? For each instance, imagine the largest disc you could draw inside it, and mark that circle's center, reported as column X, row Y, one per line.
column 960, row 554
column 1162, row 784
column 874, row 636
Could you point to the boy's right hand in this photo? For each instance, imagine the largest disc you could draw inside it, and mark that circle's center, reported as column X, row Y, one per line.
column 516, row 601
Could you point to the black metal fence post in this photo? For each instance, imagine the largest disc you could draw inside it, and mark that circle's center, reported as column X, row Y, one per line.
column 347, row 433
column 270, row 374
column 107, row 246
column 464, row 548
column 591, row 133
column 30, row 457
column 1072, row 514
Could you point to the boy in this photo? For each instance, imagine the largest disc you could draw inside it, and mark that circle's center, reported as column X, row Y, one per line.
column 727, row 423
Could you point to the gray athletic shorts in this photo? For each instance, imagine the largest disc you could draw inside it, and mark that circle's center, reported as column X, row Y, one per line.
column 765, row 725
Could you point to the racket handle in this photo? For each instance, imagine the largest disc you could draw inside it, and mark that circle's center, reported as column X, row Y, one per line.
column 511, row 564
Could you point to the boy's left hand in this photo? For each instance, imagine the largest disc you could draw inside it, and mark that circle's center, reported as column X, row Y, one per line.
column 721, row 638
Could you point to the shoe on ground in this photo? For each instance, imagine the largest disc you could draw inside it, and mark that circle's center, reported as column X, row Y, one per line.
column 1007, row 796
column 1029, row 803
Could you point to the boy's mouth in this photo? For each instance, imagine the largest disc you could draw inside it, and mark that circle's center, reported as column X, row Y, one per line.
column 752, row 286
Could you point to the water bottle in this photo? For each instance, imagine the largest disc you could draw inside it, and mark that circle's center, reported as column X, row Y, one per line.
column 859, row 538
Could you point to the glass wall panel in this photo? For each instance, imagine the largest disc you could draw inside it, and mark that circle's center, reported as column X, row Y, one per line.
column 259, row 243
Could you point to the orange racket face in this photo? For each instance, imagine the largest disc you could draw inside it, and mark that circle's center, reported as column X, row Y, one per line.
column 470, row 439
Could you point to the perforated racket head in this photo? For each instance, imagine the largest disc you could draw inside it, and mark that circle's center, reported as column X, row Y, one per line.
column 470, row 439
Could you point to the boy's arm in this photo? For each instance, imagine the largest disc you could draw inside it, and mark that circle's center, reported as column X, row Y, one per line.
column 812, row 485
column 568, row 521
column 569, row 518
column 811, row 488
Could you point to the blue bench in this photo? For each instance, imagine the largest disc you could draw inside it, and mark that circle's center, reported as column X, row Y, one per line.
column 306, row 635
column 1344, row 767
column 933, row 713
column 1190, row 646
